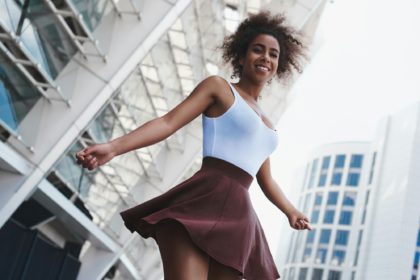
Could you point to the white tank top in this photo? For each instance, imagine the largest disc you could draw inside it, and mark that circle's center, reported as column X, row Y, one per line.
column 239, row 136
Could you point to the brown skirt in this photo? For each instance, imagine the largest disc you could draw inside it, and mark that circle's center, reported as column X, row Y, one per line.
column 215, row 209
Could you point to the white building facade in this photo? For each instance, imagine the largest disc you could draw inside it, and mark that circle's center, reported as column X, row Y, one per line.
column 362, row 200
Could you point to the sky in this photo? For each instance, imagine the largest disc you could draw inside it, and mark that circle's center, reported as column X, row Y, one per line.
column 365, row 67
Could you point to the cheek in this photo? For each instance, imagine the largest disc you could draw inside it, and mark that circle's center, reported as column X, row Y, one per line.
column 275, row 66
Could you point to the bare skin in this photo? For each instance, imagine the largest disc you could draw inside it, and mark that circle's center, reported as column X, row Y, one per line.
column 181, row 257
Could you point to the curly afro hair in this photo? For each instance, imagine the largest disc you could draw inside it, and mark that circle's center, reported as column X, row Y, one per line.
column 236, row 45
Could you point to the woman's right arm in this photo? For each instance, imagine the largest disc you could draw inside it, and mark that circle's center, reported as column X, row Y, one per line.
column 156, row 130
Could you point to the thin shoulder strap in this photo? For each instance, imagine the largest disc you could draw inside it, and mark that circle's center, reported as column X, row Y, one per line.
column 232, row 88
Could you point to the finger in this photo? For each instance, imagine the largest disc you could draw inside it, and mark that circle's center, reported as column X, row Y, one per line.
column 308, row 226
column 79, row 156
column 303, row 223
column 95, row 165
column 92, row 163
column 85, row 165
column 92, row 160
column 88, row 151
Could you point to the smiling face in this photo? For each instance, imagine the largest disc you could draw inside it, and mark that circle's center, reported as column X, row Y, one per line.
column 261, row 60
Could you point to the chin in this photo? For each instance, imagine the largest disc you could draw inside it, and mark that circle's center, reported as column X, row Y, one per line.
column 262, row 78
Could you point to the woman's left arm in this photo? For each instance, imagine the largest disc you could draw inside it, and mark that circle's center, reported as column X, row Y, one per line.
column 273, row 192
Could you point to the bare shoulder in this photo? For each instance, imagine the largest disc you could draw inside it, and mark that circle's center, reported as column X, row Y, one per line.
column 221, row 101
column 215, row 85
column 204, row 98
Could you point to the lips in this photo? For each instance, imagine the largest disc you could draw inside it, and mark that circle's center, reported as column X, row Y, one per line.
column 262, row 68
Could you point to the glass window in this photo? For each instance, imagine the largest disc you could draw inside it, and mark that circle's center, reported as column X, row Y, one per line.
column 92, row 11
column 291, row 248
column 317, row 274
column 311, row 236
column 338, row 170
column 339, row 161
column 326, row 162
column 325, row 236
column 313, row 173
column 372, row 168
column 306, row 254
column 336, row 178
column 321, row 255
column 17, row 95
column 416, row 260
column 349, row 198
column 51, row 39
column 342, row 237
column 332, row 198
column 334, row 275
column 292, row 273
column 356, row 161
column 306, row 203
column 329, row 216
column 338, row 257
column 324, row 170
column 318, row 199
column 345, row 218
column 305, row 178
column 353, row 179
column 322, row 180
column 315, row 216
column 302, row 273
column 285, row 273
column 298, row 244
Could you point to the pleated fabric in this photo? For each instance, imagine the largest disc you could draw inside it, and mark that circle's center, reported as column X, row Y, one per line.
column 215, row 208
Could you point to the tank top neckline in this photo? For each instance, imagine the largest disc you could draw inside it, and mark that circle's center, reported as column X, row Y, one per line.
column 249, row 107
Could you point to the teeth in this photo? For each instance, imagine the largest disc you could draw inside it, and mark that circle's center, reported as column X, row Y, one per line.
column 262, row 68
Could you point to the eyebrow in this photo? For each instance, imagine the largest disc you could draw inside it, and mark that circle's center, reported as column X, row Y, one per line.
column 261, row 45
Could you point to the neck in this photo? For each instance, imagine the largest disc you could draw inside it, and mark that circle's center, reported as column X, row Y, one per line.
column 251, row 88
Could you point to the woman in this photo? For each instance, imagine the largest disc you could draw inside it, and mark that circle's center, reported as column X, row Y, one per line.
column 205, row 227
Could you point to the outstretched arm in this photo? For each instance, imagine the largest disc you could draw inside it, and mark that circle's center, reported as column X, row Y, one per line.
column 155, row 130
column 273, row 192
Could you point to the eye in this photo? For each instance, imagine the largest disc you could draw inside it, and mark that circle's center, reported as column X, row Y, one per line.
column 274, row 55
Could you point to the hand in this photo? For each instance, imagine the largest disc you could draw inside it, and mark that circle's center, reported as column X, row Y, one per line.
column 95, row 156
column 298, row 220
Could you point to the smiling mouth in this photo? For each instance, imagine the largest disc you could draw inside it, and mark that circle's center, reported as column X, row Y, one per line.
column 262, row 68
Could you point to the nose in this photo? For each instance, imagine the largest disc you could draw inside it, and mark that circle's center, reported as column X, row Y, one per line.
column 266, row 56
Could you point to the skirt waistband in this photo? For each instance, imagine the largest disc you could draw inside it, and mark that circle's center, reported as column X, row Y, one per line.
column 228, row 169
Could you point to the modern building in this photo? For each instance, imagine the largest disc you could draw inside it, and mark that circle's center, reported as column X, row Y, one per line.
column 73, row 73
column 362, row 200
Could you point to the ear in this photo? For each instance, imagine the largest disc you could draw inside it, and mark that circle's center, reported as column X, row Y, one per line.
column 241, row 61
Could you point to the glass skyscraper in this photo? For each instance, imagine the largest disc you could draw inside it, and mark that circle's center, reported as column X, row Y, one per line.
column 361, row 198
